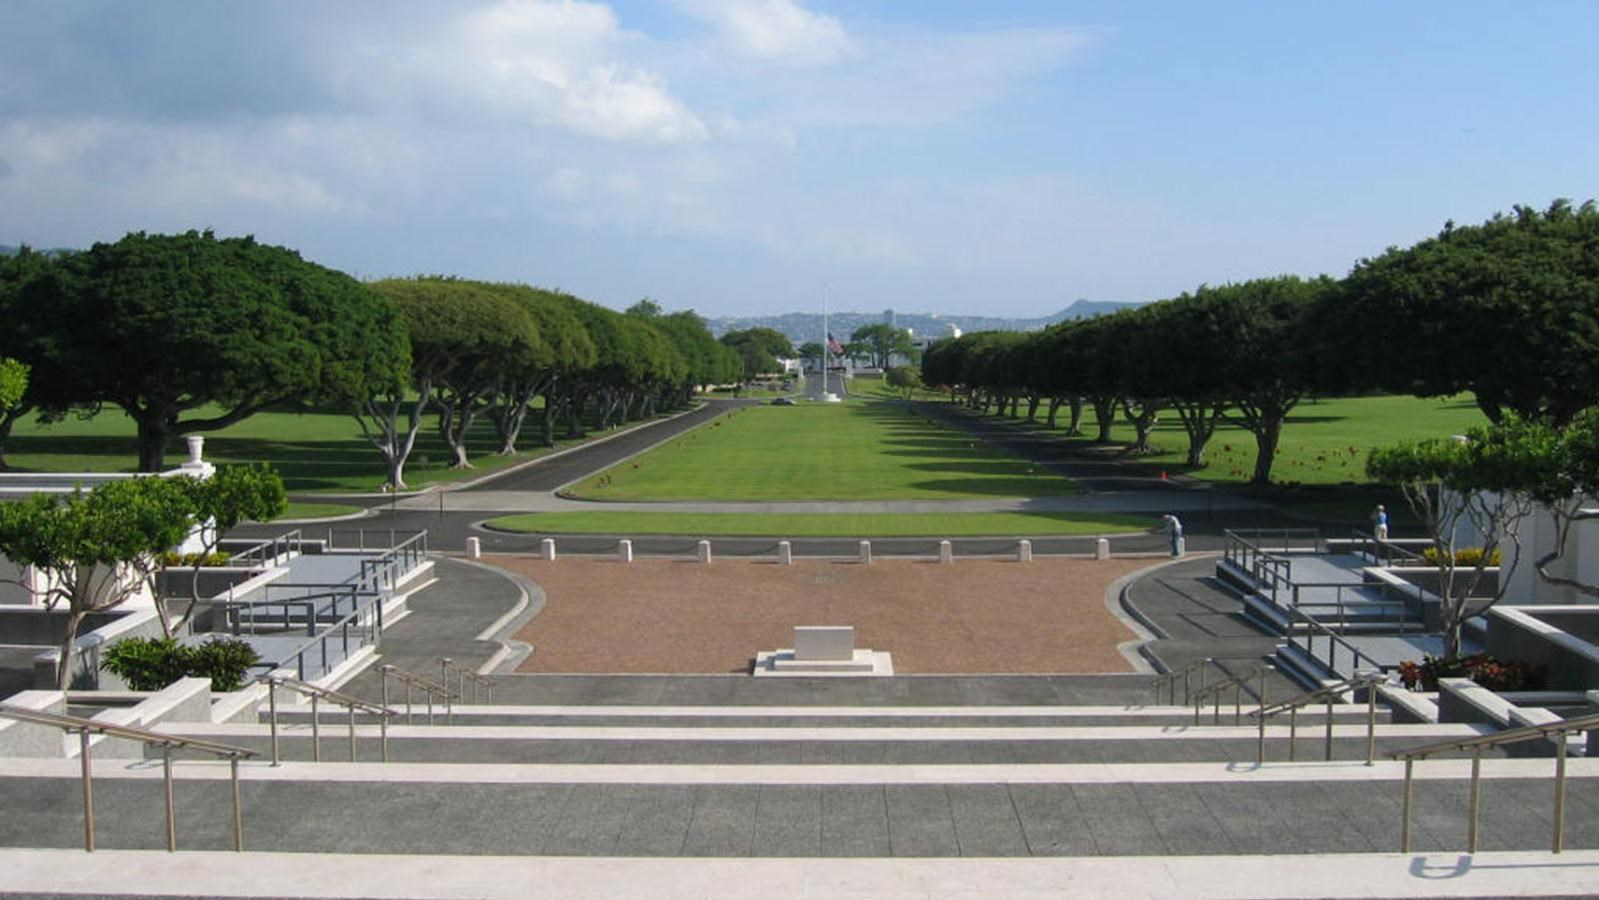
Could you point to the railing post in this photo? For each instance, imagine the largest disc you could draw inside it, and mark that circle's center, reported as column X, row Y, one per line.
column 1404, row 809
column 1475, row 804
column 238, row 804
column 410, row 715
column 1238, row 704
column 352, row 732
column 1263, row 671
column 1293, row 731
column 88, row 791
column 272, row 716
column 1329, row 740
column 1260, row 740
column 316, row 732
column 1371, row 723
column 1215, row 709
column 383, row 734
column 172, row 815
column 1559, row 841
column 384, row 670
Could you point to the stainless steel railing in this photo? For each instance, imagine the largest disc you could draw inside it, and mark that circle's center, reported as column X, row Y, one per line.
column 318, row 694
column 86, row 727
column 1329, row 695
column 429, row 688
column 1557, row 731
column 448, row 669
column 1237, row 683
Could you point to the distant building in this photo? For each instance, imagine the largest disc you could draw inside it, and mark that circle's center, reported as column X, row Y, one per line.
column 890, row 318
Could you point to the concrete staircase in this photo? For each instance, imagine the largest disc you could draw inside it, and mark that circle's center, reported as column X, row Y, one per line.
column 857, row 772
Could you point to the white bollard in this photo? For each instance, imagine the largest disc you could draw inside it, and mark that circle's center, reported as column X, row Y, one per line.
column 785, row 553
column 1024, row 550
column 474, row 548
column 946, row 552
column 624, row 550
column 1102, row 549
column 547, row 549
column 866, row 552
column 705, row 552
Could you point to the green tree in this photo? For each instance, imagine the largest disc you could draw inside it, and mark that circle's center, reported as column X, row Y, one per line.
column 231, row 496
column 1479, row 488
column 882, row 341
column 905, row 379
column 95, row 549
column 1508, row 310
column 758, row 350
column 165, row 326
column 543, row 370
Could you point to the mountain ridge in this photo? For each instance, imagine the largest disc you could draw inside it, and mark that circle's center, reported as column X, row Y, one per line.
column 802, row 327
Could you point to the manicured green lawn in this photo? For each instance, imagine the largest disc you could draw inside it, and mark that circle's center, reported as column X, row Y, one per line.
column 848, row 525
column 313, row 451
column 1323, row 442
column 859, row 450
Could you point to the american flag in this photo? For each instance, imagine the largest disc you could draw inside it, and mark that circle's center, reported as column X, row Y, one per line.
column 833, row 346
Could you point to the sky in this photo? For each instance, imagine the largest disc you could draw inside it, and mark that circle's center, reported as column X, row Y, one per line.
column 749, row 157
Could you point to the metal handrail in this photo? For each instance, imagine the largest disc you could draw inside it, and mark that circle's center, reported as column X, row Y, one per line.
column 1333, row 641
column 167, row 743
column 371, row 612
column 317, row 693
column 1327, row 693
column 1168, row 680
column 1389, row 548
column 428, row 688
column 1237, row 683
column 1477, row 745
column 447, row 668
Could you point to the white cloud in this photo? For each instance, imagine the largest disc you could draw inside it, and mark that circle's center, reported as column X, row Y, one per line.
column 774, row 30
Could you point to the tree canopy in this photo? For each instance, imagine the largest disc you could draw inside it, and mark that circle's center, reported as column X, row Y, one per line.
column 882, row 341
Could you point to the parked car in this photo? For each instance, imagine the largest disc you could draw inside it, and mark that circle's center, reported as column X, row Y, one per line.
column 783, row 401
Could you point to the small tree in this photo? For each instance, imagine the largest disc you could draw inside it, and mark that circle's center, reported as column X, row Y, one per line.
column 95, row 549
column 232, row 495
column 905, row 379
column 1483, row 486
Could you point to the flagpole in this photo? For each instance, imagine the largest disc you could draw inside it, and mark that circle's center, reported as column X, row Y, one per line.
column 827, row 340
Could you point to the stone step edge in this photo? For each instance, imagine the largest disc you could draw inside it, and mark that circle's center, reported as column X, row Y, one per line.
column 416, row 877
column 332, row 731
column 844, row 712
column 259, row 770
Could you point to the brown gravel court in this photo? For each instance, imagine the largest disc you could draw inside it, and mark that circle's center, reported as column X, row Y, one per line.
column 683, row 616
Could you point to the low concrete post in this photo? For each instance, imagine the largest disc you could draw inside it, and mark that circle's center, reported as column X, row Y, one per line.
column 1024, row 550
column 946, row 552
column 785, row 553
column 866, row 552
column 474, row 548
column 624, row 550
column 547, row 549
column 1102, row 549
column 705, row 552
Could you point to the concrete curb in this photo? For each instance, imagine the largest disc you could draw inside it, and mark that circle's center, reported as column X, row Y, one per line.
column 511, row 652
column 1140, row 623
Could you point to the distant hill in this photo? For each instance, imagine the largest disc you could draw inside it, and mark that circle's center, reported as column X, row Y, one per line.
column 12, row 249
column 802, row 327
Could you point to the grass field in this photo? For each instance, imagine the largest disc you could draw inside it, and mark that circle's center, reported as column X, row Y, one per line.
column 831, row 525
column 859, row 450
column 301, row 511
column 1323, row 442
column 313, row 451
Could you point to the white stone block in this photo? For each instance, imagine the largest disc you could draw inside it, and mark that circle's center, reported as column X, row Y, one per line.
column 705, row 552
column 1102, row 549
column 547, row 549
column 866, row 552
column 624, row 550
column 1024, row 550
column 824, row 642
column 474, row 548
column 785, row 553
column 946, row 552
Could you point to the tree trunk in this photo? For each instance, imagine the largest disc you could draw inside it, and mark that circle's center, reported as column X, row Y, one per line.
column 1267, row 431
column 1104, row 417
column 1143, row 422
column 1075, row 427
column 75, row 618
column 574, row 415
column 154, row 430
column 6, row 422
column 547, row 420
column 1054, row 408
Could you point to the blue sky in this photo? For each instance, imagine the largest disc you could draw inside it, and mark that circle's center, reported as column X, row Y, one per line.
column 735, row 156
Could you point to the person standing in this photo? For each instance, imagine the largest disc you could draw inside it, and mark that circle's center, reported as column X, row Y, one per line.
column 1379, row 522
column 1174, row 531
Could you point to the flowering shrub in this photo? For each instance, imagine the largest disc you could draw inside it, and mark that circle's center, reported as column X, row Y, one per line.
column 1479, row 667
column 1468, row 556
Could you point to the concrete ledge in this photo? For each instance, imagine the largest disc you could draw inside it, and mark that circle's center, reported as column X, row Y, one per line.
column 863, row 663
column 1489, row 874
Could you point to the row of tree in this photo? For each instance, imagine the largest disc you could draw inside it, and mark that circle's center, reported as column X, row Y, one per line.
column 1507, row 310
column 192, row 333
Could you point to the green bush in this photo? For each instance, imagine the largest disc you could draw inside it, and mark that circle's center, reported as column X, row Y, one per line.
column 1464, row 558
column 224, row 660
column 150, row 664
column 170, row 559
column 147, row 664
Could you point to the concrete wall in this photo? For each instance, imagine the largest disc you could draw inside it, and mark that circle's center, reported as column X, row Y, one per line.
column 86, row 672
column 1522, row 634
column 26, row 739
column 1538, row 538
